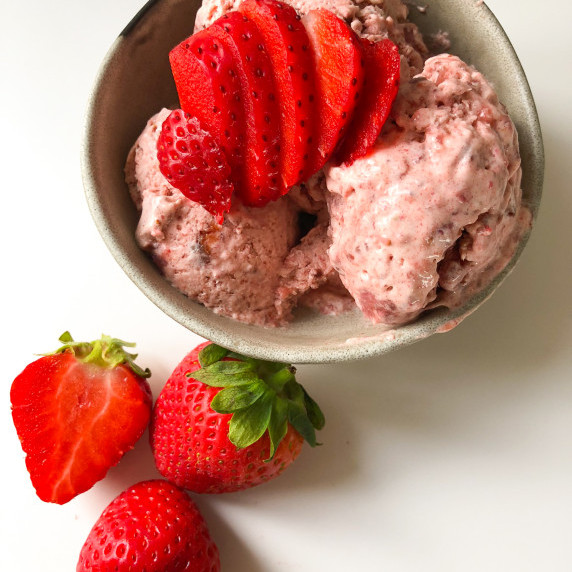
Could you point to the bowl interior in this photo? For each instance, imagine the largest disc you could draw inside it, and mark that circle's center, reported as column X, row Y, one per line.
column 135, row 82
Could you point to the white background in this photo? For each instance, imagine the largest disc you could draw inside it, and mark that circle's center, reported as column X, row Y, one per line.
column 454, row 454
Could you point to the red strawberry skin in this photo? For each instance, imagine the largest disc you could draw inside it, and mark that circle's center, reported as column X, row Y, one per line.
column 339, row 78
column 191, row 445
column 209, row 88
column 382, row 63
column 75, row 421
column 193, row 162
column 288, row 46
column 262, row 180
column 152, row 526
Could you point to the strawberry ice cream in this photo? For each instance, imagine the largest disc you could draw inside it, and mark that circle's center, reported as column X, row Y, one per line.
column 232, row 268
column 249, row 268
column 427, row 211
column 428, row 217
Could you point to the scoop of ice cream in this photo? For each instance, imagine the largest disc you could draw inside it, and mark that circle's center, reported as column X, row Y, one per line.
column 234, row 268
column 436, row 203
column 307, row 277
column 373, row 19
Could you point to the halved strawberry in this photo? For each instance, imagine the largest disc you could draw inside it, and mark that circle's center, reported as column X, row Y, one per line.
column 339, row 78
column 382, row 77
column 192, row 161
column 288, row 46
column 262, row 182
column 209, row 89
column 77, row 412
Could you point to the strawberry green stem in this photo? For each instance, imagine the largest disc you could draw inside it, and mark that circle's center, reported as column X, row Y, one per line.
column 261, row 396
column 277, row 381
column 107, row 352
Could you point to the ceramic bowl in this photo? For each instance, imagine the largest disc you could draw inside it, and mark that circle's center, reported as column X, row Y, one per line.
column 135, row 81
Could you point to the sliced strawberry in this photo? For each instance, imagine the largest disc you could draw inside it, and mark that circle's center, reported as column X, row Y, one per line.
column 192, row 161
column 77, row 412
column 288, row 46
column 262, row 182
column 339, row 78
column 209, row 89
column 382, row 77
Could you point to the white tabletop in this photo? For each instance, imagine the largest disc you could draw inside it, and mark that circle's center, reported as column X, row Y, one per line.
column 451, row 455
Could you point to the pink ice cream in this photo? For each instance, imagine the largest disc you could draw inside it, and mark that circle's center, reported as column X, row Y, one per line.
column 427, row 218
column 232, row 268
column 429, row 209
column 242, row 269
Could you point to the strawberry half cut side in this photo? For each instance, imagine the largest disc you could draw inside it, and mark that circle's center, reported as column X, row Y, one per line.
column 193, row 162
column 382, row 63
column 77, row 412
column 339, row 78
column 288, row 47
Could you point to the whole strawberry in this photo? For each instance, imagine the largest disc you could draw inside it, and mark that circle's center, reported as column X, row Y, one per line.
column 154, row 527
column 225, row 422
column 77, row 412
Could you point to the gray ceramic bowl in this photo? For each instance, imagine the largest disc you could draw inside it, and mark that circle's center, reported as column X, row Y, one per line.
column 135, row 81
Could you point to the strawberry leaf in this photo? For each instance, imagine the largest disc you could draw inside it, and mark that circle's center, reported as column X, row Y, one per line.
column 278, row 425
column 298, row 414
column 66, row 338
column 314, row 412
column 240, row 357
column 260, row 395
column 298, row 418
column 235, row 398
column 248, row 425
column 211, row 354
column 226, row 374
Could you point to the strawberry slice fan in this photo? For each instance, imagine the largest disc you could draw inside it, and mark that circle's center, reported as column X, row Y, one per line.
column 288, row 46
column 275, row 97
column 381, row 63
column 339, row 78
column 262, row 182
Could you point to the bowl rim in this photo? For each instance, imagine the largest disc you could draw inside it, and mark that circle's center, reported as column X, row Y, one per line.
column 433, row 321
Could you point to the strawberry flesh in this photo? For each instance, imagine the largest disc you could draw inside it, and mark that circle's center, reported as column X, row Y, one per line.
column 193, row 162
column 209, row 89
column 382, row 72
column 339, row 78
column 288, row 47
column 262, row 181
column 75, row 420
